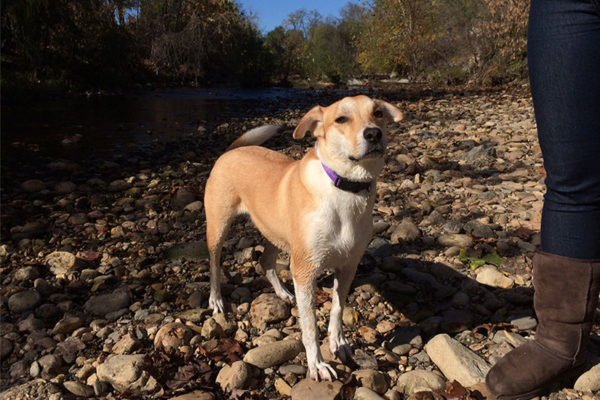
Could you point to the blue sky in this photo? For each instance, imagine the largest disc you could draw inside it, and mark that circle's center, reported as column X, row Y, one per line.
column 270, row 13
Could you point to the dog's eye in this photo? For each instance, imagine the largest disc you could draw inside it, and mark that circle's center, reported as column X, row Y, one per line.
column 341, row 120
column 378, row 113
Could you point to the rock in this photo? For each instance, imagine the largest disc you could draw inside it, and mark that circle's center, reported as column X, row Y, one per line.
column 489, row 275
column 210, row 329
column 50, row 364
column 514, row 339
column 406, row 231
column 283, row 387
column 26, row 274
column 67, row 325
column 456, row 361
column 479, row 153
column 128, row 344
column 411, row 381
column 589, row 380
column 182, row 198
column 172, row 336
column 310, row 389
column 30, row 324
column 268, row 308
column 23, row 301
column 372, row 379
column 65, row 187
column 6, row 347
column 228, row 325
column 33, row 185
column 107, row 303
column 524, row 323
column 127, row 373
column 363, row 393
column 379, row 247
column 79, row 389
column 384, row 326
column 61, row 263
column 369, row 334
column 118, row 185
column 364, row 359
column 392, row 395
column 194, row 206
column 195, row 395
column 193, row 251
column 292, row 369
column 70, row 348
column 449, row 240
column 348, row 317
column 233, row 377
column 479, row 230
column 35, row 389
column 273, row 354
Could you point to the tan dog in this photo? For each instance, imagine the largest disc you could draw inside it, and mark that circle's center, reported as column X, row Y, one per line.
column 319, row 208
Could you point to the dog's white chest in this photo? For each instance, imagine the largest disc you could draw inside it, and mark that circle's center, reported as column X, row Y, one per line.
column 340, row 229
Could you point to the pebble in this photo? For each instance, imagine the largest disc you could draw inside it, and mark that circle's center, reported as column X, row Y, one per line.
column 195, row 395
column 107, row 303
column 406, row 231
column 589, row 380
column 310, row 389
column 456, row 361
column 23, row 301
column 419, row 380
column 272, row 354
column 372, row 379
column 6, row 347
column 234, row 376
column 459, row 240
column 268, row 308
column 79, row 389
column 524, row 323
column 67, row 325
column 489, row 275
column 363, row 393
column 61, row 263
column 127, row 373
column 170, row 337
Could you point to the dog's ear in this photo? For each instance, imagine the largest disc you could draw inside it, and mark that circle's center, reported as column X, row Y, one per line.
column 391, row 112
column 309, row 123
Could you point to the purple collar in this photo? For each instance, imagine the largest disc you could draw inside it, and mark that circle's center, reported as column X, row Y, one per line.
column 345, row 184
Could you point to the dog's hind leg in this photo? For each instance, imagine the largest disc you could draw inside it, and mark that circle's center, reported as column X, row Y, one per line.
column 338, row 344
column 268, row 260
column 219, row 215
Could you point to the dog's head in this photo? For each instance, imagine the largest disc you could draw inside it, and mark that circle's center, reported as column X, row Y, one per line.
column 351, row 134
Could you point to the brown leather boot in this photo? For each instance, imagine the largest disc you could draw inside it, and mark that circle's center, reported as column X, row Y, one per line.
column 565, row 299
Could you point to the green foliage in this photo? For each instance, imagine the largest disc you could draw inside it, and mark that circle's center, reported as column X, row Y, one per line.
column 474, row 263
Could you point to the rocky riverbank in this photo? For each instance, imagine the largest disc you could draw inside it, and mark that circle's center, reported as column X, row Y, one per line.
column 105, row 281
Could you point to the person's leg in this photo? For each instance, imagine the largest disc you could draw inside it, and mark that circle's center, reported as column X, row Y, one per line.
column 564, row 65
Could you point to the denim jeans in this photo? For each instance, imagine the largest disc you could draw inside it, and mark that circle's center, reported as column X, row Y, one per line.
column 564, row 70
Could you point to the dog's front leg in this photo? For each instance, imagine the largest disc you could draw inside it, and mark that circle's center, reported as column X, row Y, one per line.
column 304, row 284
column 338, row 344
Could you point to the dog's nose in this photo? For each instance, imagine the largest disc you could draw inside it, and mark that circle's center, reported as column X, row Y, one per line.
column 372, row 135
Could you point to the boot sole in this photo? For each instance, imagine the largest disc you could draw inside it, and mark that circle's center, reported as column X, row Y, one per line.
column 561, row 382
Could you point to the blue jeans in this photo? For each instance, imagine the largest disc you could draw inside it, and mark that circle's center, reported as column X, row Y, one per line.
column 564, row 70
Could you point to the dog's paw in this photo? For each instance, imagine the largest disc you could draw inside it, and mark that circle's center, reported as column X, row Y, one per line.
column 340, row 347
column 285, row 295
column 322, row 371
column 216, row 304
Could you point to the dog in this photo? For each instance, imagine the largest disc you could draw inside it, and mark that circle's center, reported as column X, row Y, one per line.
column 318, row 208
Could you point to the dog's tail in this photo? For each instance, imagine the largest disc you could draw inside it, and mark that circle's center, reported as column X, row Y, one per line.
column 255, row 137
